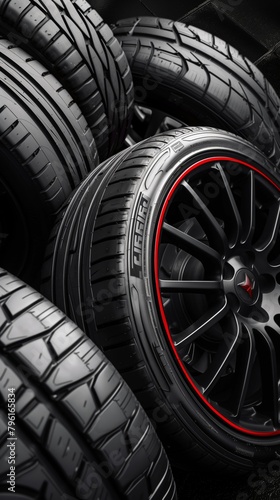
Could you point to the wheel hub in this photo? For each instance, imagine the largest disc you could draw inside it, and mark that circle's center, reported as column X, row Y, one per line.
column 243, row 289
column 247, row 288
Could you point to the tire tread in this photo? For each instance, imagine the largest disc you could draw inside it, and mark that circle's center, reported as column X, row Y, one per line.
column 61, row 410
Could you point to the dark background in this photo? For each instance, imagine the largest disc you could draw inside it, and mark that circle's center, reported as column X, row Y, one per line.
column 253, row 27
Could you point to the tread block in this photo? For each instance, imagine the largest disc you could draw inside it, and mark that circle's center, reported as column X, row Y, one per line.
column 106, row 384
column 36, row 356
column 81, row 404
column 64, row 449
column 102, row 424
column 80, row 363
column 8, row 118
column 37, row 420
column 8, row 379
column 17, row 332
column 24, row 400
column 9, row 284
column 116, row 450
column 21, row 300
column 126, row 402
column 139, row 461
column 64, row 337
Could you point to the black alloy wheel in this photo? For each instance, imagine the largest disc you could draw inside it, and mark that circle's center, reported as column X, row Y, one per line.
column 217, row 277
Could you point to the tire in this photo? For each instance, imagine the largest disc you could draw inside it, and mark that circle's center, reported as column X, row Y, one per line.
column 73, row 42
column 46, row 149
column 80, row 432
column 102, row 268
column 199, row 79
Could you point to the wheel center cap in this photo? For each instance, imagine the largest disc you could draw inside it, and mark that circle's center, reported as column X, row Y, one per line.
column 246, row 286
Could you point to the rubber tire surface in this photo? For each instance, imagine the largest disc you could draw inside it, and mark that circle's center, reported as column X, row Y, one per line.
column 73, row 42
column 80, row 431
column 46, row 149
column 91, row 274
column 199, row 79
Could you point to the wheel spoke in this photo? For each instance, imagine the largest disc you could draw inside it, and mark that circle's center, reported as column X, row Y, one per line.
column 215, row 234
column 198, row 249
column 227, row 348
column 249, row 208
column 201, row 326
column 269, row 374
column 245, row 358
column 232, row 212
column 271, row 230
column 173, row 286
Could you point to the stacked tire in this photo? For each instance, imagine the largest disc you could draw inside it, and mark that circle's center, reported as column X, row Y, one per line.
column 165, row 255
column 80, row 433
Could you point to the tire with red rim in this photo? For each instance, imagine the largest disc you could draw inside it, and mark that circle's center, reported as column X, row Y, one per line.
column 169, row 260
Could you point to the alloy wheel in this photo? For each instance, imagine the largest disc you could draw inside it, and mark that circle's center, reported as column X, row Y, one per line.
column 217, row 281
